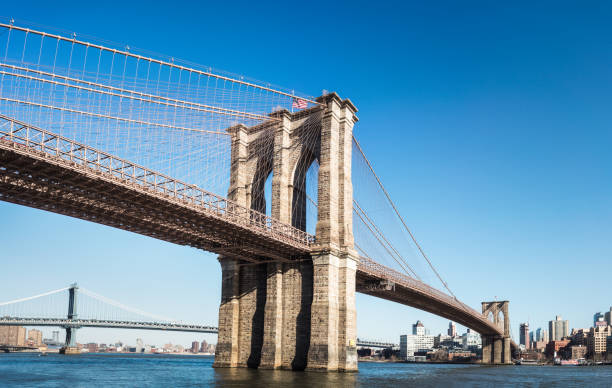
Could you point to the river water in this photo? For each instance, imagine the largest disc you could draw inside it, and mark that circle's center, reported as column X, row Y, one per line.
column 123, row 370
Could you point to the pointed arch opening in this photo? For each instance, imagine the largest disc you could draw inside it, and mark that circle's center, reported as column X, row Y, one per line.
column 500, row 319
column 490, row 316
column 261, row 190
column 304, row 207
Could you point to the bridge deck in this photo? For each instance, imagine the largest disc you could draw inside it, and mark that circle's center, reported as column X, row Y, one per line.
column 78, row 323
column 43, row 170
column 371, row 279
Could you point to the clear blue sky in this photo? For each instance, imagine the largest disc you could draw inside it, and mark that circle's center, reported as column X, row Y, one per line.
column 490, row 124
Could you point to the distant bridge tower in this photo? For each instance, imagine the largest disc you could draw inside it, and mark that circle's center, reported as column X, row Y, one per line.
column 496, row 349
column 294, row 312
column 70, row 346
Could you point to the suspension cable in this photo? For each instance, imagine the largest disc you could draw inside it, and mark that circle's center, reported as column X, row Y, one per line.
column 33, row 297
column 402, row 218
column 124, row 307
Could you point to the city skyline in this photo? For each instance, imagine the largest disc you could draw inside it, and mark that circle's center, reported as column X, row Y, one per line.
column 496, row 169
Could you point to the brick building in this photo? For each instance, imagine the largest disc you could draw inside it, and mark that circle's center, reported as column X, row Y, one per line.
column 13, row 335
column 555, row 346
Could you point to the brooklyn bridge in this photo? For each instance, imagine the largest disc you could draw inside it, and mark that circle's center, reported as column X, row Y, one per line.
column 273, row 181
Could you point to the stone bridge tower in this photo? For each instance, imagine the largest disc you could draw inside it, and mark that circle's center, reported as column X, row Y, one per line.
column 294, row 313
column 496, row 349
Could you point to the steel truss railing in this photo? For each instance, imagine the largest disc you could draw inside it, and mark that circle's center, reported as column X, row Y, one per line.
column 77, row 323
column 382, row 272
column 29, row 139
column 375, row 344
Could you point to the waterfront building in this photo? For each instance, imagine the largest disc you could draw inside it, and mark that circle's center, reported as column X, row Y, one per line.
column 35, row 337
column 540, row 346
column 411, row 343
column 524, row 335
column 13, row 335
column 578, row 351
column 452, row 329
column 553, row 347
column 579, row 336
column 471, row 340
column 195, row 347
column 558, row 329
column 609, row 347
column 597, row 341
column 92, row 347
column 442, row 340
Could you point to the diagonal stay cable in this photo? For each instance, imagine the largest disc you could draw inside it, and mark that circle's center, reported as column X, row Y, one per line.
column 384, row 238
column 401, row 218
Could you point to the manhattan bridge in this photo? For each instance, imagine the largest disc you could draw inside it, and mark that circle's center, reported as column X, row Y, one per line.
column 273, row 181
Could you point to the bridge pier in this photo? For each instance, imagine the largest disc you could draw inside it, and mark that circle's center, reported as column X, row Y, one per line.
column 487, row 349
column 296, row 312
column 288, row 316
column 497, row 349
column 70, row 346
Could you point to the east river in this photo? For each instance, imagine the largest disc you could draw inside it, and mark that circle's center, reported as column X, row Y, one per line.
column 123, row 370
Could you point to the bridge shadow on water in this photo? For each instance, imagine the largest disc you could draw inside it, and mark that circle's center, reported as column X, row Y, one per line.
column 236, row 377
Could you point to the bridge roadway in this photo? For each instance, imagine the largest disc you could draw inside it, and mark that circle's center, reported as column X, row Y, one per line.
column 109, row 324
column 43, row 170
column 376, row 344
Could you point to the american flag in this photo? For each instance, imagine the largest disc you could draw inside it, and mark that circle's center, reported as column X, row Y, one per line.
column 298, row 103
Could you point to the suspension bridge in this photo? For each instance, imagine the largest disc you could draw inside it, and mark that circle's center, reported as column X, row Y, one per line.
column 273, row 181
column 90, row 309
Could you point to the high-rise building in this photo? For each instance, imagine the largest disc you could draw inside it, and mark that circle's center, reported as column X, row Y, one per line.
column 195, row 347
column 204, row 347
column 608, row 316
column 541, row 335
column 452, row 329
column 558, row 329
column 524, row 335
column 418, row 328
column 597, row 340
column 532, row 338
column 598, row 317
column 13, row 335
column 35, row 337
